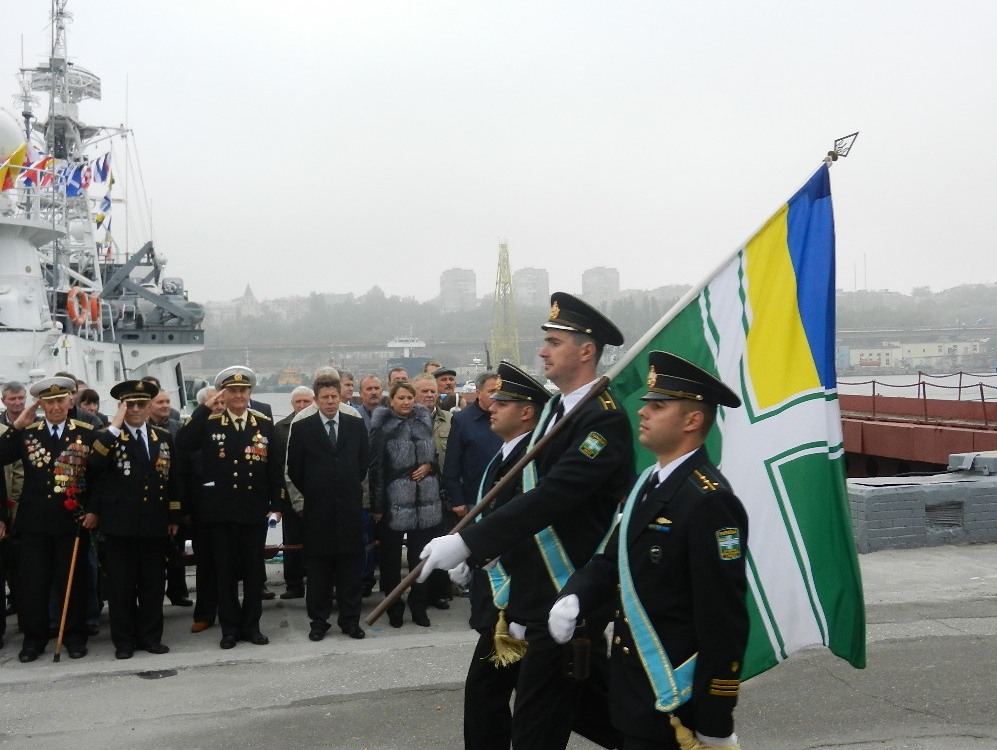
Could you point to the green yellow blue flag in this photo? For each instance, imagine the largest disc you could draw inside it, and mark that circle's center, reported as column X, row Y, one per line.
column 764, row 324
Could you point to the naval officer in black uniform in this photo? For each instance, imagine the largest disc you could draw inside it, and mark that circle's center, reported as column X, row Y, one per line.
column 55, row 452
column 681, row 580
column 242, row 482
column 136, row 496
column 571, row 494
column 514, row 413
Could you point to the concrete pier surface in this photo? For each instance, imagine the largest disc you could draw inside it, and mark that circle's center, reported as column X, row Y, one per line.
column 930, row 684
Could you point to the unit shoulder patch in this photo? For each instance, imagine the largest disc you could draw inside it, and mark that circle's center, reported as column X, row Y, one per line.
column 592, row 445
column 729, row 543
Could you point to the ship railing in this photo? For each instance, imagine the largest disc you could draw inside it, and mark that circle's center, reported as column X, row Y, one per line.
column 965, row 397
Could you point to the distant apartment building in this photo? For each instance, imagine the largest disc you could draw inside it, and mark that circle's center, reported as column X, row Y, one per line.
column 600, row 285
column 531, row 287
column 458, row 290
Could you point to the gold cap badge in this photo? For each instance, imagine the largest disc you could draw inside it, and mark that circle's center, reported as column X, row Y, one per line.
column 555, row 310
column 652, row 377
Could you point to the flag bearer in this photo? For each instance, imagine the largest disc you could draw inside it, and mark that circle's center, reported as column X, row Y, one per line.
column 676, row 566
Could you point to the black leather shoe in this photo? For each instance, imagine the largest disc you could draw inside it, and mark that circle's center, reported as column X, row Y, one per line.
column 293, row 594
column 77, row 652
column 123, row 653
column 315, row 634
column 395, row 621
column 153, row 648
column 355, row 631
column 421, row 619
column 257, row 639
column 181, row 602
column 93, row 629
column 228, row 641
column 27, row 654
column 268, row 594
column 440, row 603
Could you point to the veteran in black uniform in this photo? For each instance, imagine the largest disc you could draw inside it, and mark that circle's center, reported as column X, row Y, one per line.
column 557, row 524
column 55, row 452
column 242, row 482
column 488, row 688
column 136, row 496
column 681, row 583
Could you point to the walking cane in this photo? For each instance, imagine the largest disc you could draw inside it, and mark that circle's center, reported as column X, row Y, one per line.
column 65, row 600
column 510, row 476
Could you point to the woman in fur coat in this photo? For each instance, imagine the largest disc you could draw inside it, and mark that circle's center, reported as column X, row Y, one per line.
column 404, row 492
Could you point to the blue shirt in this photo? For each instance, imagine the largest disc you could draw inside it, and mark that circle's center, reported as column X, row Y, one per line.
column 469, row 449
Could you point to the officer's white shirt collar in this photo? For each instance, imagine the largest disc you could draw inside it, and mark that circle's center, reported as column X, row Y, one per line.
column 507, row 447
column 570, row 400
column 116, row 431
column 61, row 427
column 666, row 471
column 334, row 419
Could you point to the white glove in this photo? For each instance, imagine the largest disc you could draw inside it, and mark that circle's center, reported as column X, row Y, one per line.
column 563, row 617
column 517, row 631
column 461, row 575
column 443, row 553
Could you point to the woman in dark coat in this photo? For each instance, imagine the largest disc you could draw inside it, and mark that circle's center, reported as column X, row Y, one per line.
column 404, row 491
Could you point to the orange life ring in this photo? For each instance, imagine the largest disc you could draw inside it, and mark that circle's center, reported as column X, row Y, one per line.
column 81, row 307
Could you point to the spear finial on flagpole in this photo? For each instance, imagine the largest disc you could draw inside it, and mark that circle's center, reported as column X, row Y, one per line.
column 841, row 148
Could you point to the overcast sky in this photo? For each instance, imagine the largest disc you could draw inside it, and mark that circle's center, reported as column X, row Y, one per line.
column 329, row 146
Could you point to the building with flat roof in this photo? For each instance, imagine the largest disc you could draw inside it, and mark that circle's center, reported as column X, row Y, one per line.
column 458, row 290
column 600, row 285
column 532, row 287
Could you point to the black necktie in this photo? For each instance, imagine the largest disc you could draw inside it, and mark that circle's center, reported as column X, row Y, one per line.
column 55, row 432
column 558, row 412
column 331, row 427
column 140, row 439
column 650, row 485
column 238, row 424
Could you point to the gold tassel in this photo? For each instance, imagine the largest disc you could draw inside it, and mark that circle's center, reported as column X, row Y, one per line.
column 508, row 650
column 683, row 735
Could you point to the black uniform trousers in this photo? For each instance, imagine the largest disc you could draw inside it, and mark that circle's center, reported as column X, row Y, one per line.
column 487, row 693
column 43, row 568
column 294, row 533
column 238, row 551
column 134, row 568
column 176, row 570
column 206, row 601
column 550, row 705
column 389, row 560
column 323, row 572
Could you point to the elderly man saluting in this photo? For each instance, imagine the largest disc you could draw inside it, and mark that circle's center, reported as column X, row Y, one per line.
column 243, row 481
column 55, row 452
column 136, row 495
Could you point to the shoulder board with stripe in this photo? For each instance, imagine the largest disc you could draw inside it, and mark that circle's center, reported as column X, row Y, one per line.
column 78, row 423
column 215, row 416
column 259, row 415
column 606, row 401
column 157, row 428
column 36, row 425
column 706, row 480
